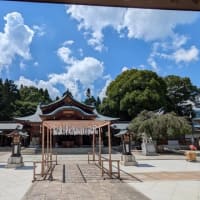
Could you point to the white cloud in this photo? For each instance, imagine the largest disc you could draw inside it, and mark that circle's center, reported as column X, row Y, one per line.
column 186, row 55
column 172, row 50
column 124, row 68
column 68, row 42
column 53, row 92
column 155, row 24
column 65, row 54
column 39, row 30
column 94, row 19
column 142, row 24
column 102, row 94
column 15, row 40
column 179, row 40
column 81, row 74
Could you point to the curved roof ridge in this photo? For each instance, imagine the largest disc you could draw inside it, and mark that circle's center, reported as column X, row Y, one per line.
column 63, row 97
column 103, row 117
column 32, row 118
column 67, row 107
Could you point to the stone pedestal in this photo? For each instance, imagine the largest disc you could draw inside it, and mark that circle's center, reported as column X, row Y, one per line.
column 128, row 160
column 148, row 149
column 14, row 162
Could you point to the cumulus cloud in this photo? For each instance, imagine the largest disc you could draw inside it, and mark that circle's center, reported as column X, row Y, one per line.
column 81, row 74
column 64, row 53
column 142, row 24
column 186, row 55
column 15, row 39
column 154, row 24
column 94, row 19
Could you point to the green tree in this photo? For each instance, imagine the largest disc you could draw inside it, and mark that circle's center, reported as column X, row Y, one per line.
column 9, row 94
column 179, row 89
column 98, row 103
column 29, row 98
column 133, row 91
column 67, row 92
column 90, row 100
column 158, row 126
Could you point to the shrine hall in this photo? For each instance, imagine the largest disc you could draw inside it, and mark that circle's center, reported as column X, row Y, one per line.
column 72, row 123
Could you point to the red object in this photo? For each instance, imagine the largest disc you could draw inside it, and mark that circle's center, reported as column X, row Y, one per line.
column 192, row 147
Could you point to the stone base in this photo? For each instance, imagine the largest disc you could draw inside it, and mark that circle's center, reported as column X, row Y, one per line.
column 128, row 160
column 148, row 149
column 14, row 162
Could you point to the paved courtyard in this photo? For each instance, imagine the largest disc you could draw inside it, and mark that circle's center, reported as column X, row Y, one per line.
column 168, row 177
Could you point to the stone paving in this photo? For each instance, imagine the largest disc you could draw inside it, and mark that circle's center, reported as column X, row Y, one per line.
column 167, row 176
column 162, row 177
column 83, row 191
column 84, row 182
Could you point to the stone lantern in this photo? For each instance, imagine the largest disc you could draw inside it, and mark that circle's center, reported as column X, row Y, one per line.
column 128, row 159
column 16, row 159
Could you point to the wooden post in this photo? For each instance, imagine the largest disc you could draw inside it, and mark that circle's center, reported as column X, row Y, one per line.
column 93, row 146
column 118, row 170
column 100, row 146
column 51, row 133
column 109, row 151
column 63, row 174
column 47, row 159
column 34, row 167
column 42, row 167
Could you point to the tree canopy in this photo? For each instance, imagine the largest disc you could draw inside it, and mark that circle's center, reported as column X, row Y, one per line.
column 20, row 102
column 179, row 89
column 159, row 126
column 133, row 91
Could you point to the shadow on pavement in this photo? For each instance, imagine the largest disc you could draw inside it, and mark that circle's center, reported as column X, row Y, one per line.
column 25, row 168
column 144, row 165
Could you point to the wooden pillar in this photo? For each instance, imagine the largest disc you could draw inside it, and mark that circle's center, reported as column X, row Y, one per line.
column 100, row 146
column 109, row 151
column 93, row 146
column 51, row 135
column 47, row 158
column 42, row 167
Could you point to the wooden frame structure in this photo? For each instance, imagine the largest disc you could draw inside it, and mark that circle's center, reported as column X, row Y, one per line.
column 193, row 5
column 76, row 127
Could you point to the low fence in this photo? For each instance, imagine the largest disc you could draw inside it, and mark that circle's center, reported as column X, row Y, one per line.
column 105, row 169
column 49, row 165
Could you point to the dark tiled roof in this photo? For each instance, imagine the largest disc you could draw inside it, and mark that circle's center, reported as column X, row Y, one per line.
column 102, row 117
column 32, row 118
column 68, row 108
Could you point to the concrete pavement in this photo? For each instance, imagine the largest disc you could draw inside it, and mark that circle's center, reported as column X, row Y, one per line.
column 166, row 177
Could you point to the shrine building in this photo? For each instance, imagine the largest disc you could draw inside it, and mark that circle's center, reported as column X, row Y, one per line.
column 64, row 109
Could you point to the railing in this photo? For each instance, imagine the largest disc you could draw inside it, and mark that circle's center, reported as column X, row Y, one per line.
column 93, row 159
column 109, row 171
column 101, row 164
column 47, row 170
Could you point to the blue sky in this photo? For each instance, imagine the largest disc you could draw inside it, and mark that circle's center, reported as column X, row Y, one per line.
column 60, row 47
